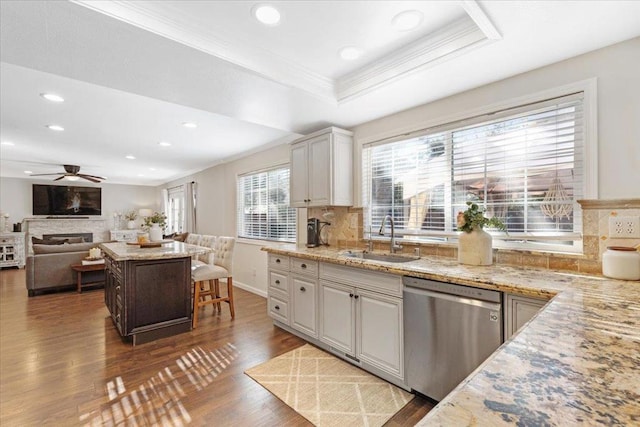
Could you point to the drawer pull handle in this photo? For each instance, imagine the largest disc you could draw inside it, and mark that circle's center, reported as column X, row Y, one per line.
column 277, row 307
column 303, row 266
column 277, row 282
column 278, row 261
column 302, row 288
column 357, row 296
column 350, row 295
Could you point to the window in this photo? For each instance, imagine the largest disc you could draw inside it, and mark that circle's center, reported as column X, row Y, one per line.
column 524, row 165
column 263, row 206
column 175, row 210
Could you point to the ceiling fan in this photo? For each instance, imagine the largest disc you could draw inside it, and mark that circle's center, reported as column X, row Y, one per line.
column 72, row 173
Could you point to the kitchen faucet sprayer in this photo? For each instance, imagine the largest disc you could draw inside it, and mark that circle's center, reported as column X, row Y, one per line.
column 392, row 243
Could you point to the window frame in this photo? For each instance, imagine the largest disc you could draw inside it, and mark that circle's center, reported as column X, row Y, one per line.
column 240, row 206
column 511, row 106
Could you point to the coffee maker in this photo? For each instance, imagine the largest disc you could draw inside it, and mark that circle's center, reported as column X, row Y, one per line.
column 313, row 232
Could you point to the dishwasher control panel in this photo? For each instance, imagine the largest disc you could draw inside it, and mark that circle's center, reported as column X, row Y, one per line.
column 451, row 288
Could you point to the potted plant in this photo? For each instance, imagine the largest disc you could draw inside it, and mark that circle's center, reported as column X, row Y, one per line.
column 475, row 246
column 156, row 224
column 131, row 218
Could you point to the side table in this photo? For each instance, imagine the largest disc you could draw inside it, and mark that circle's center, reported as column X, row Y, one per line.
column 79, row 269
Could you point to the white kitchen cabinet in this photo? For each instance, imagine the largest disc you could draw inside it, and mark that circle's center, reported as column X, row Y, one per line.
column 304, row 305
column 322, row 169
column 278, row 290
column 359, row 320
column 337, row 316
column 519, row 310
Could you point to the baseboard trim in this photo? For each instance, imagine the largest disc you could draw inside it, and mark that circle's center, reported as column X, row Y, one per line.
column 249, row 288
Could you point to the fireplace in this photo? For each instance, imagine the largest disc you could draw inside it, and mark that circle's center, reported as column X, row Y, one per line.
column 88, row 237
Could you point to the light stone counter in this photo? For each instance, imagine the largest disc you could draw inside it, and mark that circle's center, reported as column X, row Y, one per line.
column 121, row 251
column 577, row 362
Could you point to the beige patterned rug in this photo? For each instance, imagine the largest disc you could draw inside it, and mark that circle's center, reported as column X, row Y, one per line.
column 328, row 391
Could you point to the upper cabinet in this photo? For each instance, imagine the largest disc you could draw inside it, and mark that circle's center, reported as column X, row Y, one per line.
column 322, row 169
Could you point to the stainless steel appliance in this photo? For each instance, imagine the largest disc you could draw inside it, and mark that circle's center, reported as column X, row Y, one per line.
column 449, row 330
column 313, row 232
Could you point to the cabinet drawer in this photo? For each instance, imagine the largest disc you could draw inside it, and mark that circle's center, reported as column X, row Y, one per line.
column 279, row 262
column 278, row 309
column 376, row 281
column 279, row 282
column 10, row 240
column 304, row 266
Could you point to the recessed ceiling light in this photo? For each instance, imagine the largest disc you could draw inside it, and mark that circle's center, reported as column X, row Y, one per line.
column 52, row 97
column 152, row 169
column 130, row 157
column 407, row 20
column 140, row 174
column 164, row 144
column 56, row 128
column 189, row 125
column 350, row 53
column 266, row 14
column 7, row 143
column 28, row 172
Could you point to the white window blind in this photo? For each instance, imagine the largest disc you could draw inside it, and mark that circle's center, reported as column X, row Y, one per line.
column 263, row 206
column 524, row 165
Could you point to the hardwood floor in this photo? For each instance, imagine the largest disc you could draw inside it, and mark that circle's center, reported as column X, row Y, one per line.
column 62, row 363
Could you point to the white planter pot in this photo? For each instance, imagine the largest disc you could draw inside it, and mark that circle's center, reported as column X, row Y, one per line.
column 475, row 248
column 155, row 233
column 131, row 225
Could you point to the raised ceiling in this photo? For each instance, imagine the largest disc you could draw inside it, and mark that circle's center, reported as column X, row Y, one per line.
column 132, row 72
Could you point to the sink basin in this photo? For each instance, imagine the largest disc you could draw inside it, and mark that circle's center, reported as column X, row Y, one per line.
column 379, row 257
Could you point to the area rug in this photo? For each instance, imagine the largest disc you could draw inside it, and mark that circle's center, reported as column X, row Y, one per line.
column 328, row 391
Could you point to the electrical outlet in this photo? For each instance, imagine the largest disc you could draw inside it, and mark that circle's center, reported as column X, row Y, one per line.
column 624, row 227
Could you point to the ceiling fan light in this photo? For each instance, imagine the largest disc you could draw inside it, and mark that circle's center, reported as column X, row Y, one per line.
column 72, row 178
column 28, row 172
column 52, row 97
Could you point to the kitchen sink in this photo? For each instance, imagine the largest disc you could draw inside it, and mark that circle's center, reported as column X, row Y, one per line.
column 379, row 257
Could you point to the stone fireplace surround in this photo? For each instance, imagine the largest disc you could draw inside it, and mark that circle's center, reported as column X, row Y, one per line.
column 65, row 227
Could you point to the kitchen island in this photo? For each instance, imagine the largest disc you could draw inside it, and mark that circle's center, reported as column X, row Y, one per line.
column 148, row 290
column 577, row 362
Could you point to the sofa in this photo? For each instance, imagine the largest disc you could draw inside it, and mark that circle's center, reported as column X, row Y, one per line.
column 49, row 266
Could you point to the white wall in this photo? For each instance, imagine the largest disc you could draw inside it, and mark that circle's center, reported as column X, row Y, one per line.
column 216, row 212
column 617, row 70
column 15, row 198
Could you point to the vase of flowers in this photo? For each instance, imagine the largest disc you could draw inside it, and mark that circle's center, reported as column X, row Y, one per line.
column 475, row 246
column 155, row 224
column 131, row 219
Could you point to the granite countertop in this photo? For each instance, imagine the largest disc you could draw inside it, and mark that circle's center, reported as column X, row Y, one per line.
column 121, row 251
column 576, row 362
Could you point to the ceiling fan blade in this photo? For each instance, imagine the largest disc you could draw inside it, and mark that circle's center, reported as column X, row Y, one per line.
column 88, row 178
column 91, row 176
column 59, row 178
column 44, row 174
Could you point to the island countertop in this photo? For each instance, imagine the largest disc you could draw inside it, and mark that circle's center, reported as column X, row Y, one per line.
column 576, row 362
column 121, row 251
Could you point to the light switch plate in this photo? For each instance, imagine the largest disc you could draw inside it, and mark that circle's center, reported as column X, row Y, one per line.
column 624, row 227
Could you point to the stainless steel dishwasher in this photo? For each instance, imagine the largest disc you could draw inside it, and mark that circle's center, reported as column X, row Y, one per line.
column 449, row 330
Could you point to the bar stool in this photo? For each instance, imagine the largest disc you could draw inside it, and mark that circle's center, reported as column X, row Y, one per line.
column 210, row 274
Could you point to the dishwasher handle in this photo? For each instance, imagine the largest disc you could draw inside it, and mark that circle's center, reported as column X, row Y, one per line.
column 495, row 306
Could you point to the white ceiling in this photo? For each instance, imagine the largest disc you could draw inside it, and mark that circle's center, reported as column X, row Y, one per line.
column 132, row 72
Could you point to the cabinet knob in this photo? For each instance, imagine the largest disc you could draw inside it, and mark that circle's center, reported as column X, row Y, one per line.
column 277, row 282
column 302, row 289
column 278, row 261
column 303, row 266
column 277, row 307
column 350, row 295
column 357, row 296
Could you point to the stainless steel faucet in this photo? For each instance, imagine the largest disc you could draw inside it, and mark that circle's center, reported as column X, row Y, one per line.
column 393, row 246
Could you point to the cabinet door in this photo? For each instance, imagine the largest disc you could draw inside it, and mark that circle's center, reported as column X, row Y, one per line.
column 379, row 332
column 320, row 172
column 303, row 305
column 337, row 316
column 519, row 311
column 299, row 177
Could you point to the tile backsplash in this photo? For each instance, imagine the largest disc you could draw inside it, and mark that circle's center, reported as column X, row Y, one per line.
column 346, row 231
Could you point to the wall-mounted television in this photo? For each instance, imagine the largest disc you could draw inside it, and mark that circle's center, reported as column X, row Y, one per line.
column 66, row 200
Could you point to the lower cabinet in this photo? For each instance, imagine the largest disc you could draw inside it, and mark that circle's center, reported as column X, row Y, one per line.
column 304, row 303
column 518, row 311
column 363, row 324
